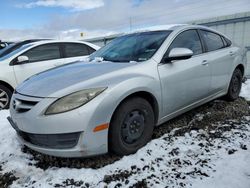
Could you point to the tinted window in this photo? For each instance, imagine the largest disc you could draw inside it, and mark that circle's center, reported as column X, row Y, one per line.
column 133, row 47
column 213, row 40
column 224, row 42
column 74, row 50
column 227, row 41
column 188, row 39
column 91, row 50
column 43, row 52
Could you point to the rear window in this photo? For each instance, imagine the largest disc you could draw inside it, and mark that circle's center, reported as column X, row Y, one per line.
column 228, row 42
column 74, row 50
column 91, row 50
column 213, row 41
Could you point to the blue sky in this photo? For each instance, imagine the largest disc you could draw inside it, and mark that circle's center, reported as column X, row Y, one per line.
column 16, row 17
column 25, row 19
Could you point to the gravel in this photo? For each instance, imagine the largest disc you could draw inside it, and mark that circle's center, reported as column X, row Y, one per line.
column 6, row 179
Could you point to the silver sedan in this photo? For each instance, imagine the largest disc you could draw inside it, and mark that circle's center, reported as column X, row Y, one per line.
column 113, row 101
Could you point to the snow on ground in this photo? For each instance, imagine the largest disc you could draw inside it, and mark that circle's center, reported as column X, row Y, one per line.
column 245, row 92
column 216, row 158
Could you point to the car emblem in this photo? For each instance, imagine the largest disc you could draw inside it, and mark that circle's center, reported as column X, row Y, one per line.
column 16, row 103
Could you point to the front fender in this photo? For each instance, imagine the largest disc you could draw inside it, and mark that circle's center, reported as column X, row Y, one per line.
column 115, row 95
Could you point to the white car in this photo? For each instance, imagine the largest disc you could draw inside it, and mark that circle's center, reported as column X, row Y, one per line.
column 21, row 60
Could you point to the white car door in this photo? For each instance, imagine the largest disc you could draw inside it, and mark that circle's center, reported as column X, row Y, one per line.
column 76, row 52
column 41, row 58
column 185, row 82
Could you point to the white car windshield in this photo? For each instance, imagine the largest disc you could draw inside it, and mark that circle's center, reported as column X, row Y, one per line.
column 133, row 47
column 13, row 52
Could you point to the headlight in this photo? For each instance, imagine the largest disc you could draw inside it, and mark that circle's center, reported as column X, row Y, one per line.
column 73, row 101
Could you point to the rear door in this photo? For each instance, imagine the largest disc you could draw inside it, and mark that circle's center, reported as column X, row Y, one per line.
column 220, row 56
column 75, row 52
column 41, row 58
column 185, row 82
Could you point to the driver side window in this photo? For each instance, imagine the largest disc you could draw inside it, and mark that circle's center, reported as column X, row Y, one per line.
column 43, row 53
column 187, row 39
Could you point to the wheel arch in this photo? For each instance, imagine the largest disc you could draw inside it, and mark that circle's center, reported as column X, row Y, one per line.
column 145, row 95
column 241, row 67
column 7, row 85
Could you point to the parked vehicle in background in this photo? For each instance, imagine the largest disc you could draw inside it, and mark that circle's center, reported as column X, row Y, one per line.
column 137, row 81
column 13, row 46
column 21, row 60
column 3, row 45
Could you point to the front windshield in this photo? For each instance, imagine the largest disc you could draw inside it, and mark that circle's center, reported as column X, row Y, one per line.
column 4, row 50
column 13, row 52
column 13, row 47
column 134, row 47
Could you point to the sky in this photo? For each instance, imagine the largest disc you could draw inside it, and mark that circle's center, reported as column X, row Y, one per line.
column 66, row 19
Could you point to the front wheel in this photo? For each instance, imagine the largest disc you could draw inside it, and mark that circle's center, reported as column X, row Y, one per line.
column 5, row 96
column 131, row 126
column 235, row 85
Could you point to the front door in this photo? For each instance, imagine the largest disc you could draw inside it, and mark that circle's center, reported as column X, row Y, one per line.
column 41, row 58
column 185, row 82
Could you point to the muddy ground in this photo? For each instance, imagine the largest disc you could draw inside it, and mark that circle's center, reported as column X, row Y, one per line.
column 204, row 117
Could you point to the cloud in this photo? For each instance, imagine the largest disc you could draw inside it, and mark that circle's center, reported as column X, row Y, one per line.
column 123, row 15
column 75, row 5
column 42, row 33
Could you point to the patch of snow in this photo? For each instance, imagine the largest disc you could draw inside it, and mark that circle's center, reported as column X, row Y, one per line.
column 189, row 160
column 231, row 171
column 245, row 91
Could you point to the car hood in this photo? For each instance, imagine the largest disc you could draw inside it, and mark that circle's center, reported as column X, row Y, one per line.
column 82, row 74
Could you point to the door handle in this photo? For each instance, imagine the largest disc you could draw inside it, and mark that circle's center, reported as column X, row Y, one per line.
column 204, row 62
column 231, row 53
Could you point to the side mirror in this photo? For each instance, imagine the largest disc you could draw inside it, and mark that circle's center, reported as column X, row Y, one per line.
column 179, row 54
column 22, row 59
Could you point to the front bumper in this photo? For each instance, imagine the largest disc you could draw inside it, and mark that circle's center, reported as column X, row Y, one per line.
column 68, row 134
column 52, row 141
column 61, row 148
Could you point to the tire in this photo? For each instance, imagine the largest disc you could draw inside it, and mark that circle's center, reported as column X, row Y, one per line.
column 131, row 126
column 235, row 86
column 5, row 96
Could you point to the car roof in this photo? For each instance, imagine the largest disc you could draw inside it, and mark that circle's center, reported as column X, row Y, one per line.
column 40, row 42
column 174, row 27
column 170, row 27
column 159, row 28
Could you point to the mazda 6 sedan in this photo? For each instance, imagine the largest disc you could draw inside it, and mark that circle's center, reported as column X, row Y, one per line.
column 113, row 101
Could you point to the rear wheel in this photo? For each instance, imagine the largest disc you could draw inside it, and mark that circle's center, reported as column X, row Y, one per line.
column 5, row 96
column 235, row 85
column 131, row 126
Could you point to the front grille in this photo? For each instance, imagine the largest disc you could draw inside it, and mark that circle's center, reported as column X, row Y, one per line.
column 22, row 104
column 53, row 141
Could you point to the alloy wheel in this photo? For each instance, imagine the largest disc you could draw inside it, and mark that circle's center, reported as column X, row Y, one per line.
column 4, row 99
